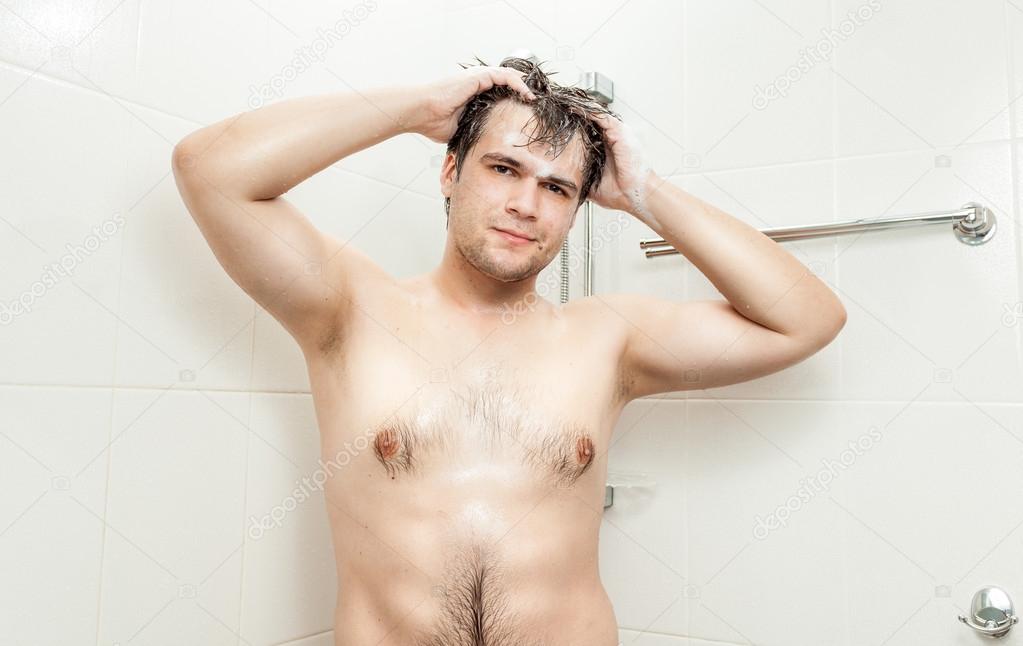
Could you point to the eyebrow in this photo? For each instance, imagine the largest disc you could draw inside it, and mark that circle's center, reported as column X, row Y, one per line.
column 564, row 182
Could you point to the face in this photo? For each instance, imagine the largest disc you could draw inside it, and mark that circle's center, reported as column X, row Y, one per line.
column 505, row 185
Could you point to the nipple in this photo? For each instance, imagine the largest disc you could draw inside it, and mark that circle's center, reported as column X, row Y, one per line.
column 584, row 451
column 386, row 446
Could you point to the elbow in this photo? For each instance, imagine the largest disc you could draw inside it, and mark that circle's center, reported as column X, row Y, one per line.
column 183, row 163
column 184, row 157
column 832, row 317
column 193, row 148
column 193, row 170
column 825, row 331
column 836, row 322
column 840, row 316
column 196, row 168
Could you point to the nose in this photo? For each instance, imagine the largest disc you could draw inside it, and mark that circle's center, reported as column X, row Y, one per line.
column 523, row 199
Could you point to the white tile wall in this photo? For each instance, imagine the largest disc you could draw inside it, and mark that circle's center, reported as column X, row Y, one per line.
column 153, row 410
column 643, row 542
column 174, row 517
column 1014, row 31
column 62, row 243
column 53, row 470
column 164, row 273
column 916, row 523
column 289, row 585
column 91, row 44
column 920, row 309
column 903, row 83
column 732, row 51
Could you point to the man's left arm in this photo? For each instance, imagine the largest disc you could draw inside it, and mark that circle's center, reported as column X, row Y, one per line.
column 776, row 313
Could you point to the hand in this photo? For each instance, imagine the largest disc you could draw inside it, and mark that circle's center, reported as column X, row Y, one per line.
column 623, row 185
column 444, row 100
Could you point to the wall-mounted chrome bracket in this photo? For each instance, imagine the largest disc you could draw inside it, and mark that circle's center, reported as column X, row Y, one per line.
column 621, row 480
column 977, row 227
column 991, row 612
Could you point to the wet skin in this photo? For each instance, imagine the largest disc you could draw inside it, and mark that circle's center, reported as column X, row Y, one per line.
column 471, row 513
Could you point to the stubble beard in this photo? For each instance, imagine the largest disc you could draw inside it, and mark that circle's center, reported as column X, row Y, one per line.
column 479, row 254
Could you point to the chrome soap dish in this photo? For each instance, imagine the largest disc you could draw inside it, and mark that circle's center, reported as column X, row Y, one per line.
column 622, row 480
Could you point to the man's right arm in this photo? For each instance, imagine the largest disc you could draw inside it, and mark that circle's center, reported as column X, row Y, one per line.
column 231, row 176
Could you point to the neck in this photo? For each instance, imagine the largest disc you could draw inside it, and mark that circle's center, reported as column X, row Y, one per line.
column 468, row 289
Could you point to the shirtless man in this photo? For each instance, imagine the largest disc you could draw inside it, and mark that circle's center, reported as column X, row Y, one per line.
column 472, row 515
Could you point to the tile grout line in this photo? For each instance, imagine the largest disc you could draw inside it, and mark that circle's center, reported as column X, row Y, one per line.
column 62, row 82
column 245, row 476
column 304, row 393
column 832, row 9
column 779, row 164
column 1016, row 181
column 686, row 285
column 303, row 638
column 836, row 264
column 110, row 417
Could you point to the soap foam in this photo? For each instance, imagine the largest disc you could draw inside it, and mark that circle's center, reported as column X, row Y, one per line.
column 636, row 171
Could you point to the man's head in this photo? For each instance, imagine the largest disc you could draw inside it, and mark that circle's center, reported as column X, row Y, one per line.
column 520, row 166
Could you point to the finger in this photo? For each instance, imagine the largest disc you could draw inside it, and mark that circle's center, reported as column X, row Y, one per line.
column 604, row 121
column 519, row 84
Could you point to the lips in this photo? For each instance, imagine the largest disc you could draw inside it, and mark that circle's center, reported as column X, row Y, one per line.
column 515, row 233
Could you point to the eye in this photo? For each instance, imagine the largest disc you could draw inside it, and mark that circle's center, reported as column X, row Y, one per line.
column 557, row 189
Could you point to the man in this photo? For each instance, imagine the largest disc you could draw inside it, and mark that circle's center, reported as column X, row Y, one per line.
column 472, row 516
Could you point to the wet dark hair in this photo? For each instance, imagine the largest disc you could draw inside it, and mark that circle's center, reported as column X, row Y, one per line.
column 559, row 112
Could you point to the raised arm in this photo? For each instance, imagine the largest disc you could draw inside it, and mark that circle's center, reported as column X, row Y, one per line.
column 776, row 312
column 231, row 176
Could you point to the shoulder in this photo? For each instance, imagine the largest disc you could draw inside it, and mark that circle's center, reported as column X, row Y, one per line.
column 609, row 309
column 603, row 315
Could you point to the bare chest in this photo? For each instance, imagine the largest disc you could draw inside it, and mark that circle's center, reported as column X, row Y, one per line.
column 425, row 399
column 495, row 431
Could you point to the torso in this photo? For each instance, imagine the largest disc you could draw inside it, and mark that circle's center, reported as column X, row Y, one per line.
column 466, row 504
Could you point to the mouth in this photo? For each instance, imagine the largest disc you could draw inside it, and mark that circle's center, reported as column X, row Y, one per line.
column 511, row 236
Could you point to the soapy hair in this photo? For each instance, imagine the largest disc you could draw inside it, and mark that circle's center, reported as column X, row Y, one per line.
column 559, row 112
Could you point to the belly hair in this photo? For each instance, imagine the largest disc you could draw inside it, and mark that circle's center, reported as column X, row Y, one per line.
column 473, row 601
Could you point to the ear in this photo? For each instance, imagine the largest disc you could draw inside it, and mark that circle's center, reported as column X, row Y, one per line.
column 447, row 174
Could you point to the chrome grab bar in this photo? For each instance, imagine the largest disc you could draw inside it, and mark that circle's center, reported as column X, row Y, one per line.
column 972, row 223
